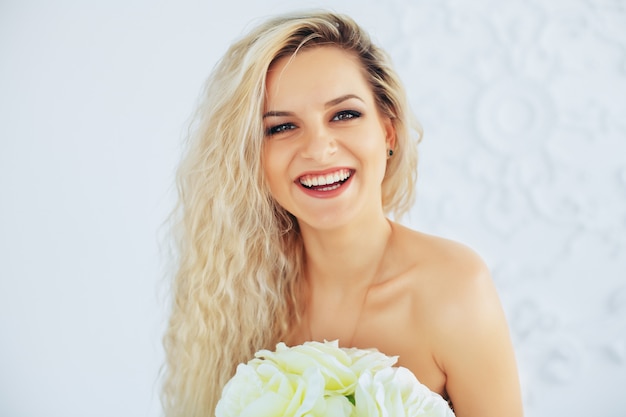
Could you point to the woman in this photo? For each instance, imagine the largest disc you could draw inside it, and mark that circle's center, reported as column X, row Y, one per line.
column 302, row 145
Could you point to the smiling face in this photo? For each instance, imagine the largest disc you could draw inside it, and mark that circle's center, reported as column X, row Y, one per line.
column 326, row 143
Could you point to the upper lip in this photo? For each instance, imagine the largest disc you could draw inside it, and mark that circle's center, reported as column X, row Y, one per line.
column 325, row 177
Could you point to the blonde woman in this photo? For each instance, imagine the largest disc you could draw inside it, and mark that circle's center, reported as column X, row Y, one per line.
column 303, row 144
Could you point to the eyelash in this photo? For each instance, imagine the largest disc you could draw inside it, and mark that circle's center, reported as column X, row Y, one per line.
column 275, row 130
column 338, row 117
column 352, row 114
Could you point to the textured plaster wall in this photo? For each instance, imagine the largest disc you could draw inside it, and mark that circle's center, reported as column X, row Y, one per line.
column 523, row 105
column 524, row 158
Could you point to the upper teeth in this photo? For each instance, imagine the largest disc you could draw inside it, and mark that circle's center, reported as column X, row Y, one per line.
column 316, row 180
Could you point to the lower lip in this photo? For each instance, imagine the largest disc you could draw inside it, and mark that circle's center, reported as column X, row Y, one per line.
column 326, row 194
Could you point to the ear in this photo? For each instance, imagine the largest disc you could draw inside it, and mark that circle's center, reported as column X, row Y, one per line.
column 390, row 133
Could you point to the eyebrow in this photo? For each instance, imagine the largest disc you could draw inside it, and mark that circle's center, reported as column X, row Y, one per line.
column 328, row 104
column 341, row 99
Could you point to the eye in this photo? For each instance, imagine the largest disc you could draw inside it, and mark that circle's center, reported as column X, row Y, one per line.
column 275, row 130
column 346, row 115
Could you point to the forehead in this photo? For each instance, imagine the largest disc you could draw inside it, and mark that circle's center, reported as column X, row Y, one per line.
column 315, row 73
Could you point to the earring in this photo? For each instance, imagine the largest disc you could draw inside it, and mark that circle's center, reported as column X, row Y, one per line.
column 390, row 153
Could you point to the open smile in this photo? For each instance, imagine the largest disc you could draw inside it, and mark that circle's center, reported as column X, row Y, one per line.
column 326, row 182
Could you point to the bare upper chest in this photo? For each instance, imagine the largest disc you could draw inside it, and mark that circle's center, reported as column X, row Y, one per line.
column 397, row 325
column 391, row 319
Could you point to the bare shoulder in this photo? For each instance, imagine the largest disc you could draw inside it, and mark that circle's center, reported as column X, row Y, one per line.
column 458, row 310
column 452, row 282
column 448, row 269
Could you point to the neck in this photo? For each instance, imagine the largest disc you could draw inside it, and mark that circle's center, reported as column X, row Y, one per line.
column 347, row 257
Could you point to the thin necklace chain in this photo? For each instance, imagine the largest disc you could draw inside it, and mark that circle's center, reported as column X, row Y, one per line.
column 356, row 323
column 358, row 317
column 363, row 302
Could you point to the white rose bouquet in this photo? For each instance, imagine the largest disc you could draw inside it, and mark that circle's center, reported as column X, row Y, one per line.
column 321, row 379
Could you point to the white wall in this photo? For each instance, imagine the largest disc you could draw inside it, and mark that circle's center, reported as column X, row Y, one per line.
column 524, row 109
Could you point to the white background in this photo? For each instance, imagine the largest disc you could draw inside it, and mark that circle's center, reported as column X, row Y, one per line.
column 524, row 109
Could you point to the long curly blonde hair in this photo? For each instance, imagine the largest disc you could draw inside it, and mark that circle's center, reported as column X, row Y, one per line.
column 239, row 255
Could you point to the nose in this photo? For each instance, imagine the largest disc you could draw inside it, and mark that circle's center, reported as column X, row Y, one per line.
column 319, row 144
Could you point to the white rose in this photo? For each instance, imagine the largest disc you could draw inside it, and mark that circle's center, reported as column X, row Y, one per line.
column 369, row 360
column 312, row 379
column 395, row 392
column 333, row 363
column 263, row 390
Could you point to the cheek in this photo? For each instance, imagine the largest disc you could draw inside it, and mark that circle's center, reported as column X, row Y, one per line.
column 266, row 163
column 273, row 167
column 373, row 146
column 374, row 151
